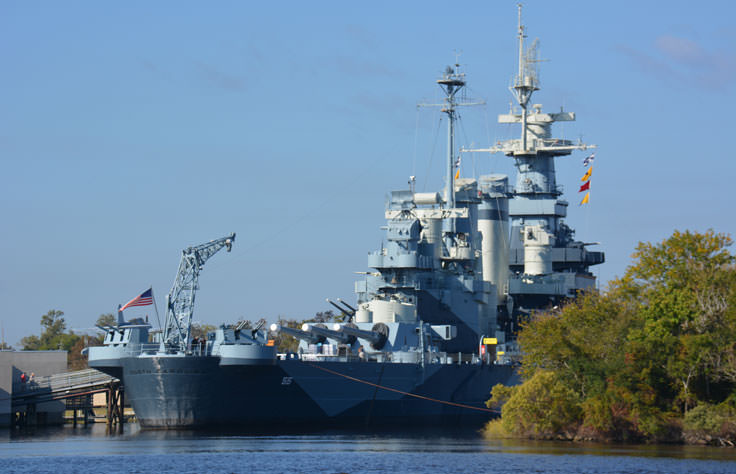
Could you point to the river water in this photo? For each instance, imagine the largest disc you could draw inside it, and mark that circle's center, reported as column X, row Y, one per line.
column 72, row 450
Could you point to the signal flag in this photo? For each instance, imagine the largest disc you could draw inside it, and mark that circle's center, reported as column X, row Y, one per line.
column 588, row 160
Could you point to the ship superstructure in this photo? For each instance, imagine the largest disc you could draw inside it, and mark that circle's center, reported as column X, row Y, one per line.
column 431, row 267
column 546, row 264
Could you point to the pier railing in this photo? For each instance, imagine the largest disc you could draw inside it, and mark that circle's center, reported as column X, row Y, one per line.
column 81, row 384
column 62, row 383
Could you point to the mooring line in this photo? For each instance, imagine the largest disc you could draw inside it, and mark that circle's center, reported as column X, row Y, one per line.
column 383, row 387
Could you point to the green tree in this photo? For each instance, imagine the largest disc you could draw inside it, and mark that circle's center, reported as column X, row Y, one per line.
column 53, row 336
column 544, row 406
column 106, row 319
column 284, row 342
column 31, row 343
column 638, row 357
column 682, row 285
column 323, row 317
column 200, row 330
column 54, row 326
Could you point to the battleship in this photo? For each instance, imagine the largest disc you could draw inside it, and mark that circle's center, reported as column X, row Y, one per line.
column 432, row 328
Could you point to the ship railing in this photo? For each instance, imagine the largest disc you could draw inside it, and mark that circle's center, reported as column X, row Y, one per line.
column 199, row 350
column 309, row 357
column 138, row 349
column 551, row 144
column 444, row 358
column 65, row 381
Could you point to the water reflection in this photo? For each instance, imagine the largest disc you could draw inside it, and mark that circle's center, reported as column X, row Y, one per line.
column 93, row 441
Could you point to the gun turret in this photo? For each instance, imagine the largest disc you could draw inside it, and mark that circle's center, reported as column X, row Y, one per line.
column 377, row 339
column 309, row 337
column 340, row 337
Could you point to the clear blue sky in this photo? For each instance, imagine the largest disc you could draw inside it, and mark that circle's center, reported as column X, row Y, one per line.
column 131, row 130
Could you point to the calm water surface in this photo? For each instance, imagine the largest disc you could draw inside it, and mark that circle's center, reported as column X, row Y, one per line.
column 71, row 450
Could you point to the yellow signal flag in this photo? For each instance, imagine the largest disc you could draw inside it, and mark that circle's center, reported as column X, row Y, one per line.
column 585, row 199
column 457, row 174
column 586, row 177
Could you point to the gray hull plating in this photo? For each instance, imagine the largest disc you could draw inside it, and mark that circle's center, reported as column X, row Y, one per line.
column 189, row 392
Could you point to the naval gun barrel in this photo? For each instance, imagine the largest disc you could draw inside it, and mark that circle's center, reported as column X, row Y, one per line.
column 376, row 339
column 353, row 310
column 348, row 313
column 309, row 337
column 340, row 337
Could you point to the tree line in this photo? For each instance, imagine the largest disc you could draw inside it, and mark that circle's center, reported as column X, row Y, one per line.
column 651, row 359
column 55, row 336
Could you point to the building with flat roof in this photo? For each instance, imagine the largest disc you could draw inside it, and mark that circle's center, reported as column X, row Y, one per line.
column 13, row 366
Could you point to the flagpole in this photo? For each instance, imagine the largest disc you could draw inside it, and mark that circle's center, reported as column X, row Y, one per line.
column 155, row 306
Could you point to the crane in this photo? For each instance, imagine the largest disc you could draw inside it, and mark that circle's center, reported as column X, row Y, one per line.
column 180, row 300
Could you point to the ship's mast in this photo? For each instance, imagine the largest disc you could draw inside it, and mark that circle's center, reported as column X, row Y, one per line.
column 526, row 80
column 451, row 82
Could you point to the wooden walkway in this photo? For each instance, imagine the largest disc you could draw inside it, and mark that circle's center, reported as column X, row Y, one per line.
column 70, row 387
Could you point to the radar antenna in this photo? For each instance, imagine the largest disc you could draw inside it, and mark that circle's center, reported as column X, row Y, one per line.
column 180, row 301
column 535, row 126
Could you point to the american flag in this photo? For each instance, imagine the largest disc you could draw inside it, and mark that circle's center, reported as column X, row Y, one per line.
column 144, row 299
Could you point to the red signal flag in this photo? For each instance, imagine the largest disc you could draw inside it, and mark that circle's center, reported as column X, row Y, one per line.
column 585, row 186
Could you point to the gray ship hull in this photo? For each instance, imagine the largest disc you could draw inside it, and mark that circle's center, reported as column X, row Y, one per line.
column 192, row 392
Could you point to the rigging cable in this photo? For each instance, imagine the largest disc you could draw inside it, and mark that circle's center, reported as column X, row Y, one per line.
column 431, row 155
column 416, row 135
column 408, row 394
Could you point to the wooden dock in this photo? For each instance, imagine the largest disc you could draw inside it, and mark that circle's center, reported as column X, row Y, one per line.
column 76, row 390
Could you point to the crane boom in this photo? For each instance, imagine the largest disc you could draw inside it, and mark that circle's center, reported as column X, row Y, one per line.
column 180, row 300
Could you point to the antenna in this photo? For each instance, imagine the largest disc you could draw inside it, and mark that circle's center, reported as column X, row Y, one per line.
column 457, row 57
column 521, row 43
column 522, row 87
column 527, row 79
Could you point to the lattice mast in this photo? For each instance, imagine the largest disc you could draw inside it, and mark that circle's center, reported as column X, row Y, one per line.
column 527, row 79
column 180, row 300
